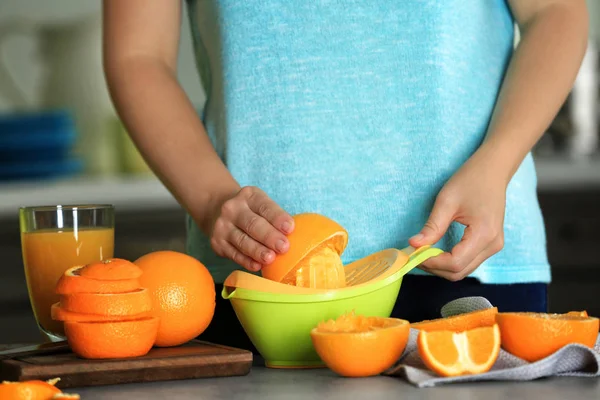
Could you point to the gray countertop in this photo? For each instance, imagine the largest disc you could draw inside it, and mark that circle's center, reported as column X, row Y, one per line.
column 263, row 383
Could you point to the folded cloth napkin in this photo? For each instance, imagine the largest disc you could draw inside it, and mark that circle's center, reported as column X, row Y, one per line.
column 571, row 360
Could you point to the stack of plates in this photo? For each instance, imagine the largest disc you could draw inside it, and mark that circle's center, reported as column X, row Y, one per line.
column 37, row 145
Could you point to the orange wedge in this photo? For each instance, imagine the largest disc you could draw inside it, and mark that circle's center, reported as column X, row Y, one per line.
column 313, row 259
column 60, row 314
column 121, row 339
column 469, row 352
column 113, row 269
column 72, row 282
column 128, row 303
column 358, row 346
column 459, row 323
column 534, row 336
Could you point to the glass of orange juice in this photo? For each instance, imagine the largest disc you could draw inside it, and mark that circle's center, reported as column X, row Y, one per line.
column 54, row 239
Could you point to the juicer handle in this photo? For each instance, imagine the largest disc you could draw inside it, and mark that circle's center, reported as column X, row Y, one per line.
column 418, row 257
column 8, row 85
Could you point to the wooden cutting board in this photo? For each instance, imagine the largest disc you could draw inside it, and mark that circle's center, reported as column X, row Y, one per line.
column 196, row 359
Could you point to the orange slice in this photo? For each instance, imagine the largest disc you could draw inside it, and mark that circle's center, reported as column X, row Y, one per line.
column 60, row 314
column 451, row 354
column 33, row 390
column 534, row 336
column 72, row 282
column 313, row 235
column 122, row 339
column 459, row 323
column 113, row 269
column 356, row 346
column 129, row 303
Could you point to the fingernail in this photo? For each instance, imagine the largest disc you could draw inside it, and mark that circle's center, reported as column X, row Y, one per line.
column 286, row 226
column 267, row 256
column 418, row 237
column 281, row 245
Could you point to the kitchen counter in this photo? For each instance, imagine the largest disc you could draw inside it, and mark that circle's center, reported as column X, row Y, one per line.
column 147, row 193
column 263, row 383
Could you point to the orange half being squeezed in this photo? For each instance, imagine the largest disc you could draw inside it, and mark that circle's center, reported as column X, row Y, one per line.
column 314, row 257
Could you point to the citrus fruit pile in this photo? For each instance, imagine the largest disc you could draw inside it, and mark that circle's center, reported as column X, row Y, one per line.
column 470, row 343
column 117, row 309
column 359, row 346
column 313, row 259
column 34, row 390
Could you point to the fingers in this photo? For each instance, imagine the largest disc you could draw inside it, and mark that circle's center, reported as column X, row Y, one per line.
column 465, row 257
column 229, row 251
column 436, row 226
column 251, row 229
column 261, row 231
column 262, row 205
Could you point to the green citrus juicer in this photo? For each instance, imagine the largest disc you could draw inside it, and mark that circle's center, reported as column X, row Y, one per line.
column 278, row 317
column 376, row 266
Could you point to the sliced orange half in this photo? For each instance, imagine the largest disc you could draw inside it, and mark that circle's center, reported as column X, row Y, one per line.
column 120, row 339
column 459, row 323
column 452, row 354
column 534, row 336
column 60, row 314
column 128, row 303
column 113, row 269
column 313, row 258
column 72, row 282
column 357, row 346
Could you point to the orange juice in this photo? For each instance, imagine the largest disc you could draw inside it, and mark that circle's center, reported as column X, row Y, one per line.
column 47, row 254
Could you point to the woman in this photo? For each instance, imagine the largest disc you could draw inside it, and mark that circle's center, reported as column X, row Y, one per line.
column 408, row 122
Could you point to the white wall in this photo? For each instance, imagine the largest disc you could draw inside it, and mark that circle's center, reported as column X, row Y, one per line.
column 19, row 52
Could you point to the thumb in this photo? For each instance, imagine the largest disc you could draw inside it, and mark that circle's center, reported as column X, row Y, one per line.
column 436, row 226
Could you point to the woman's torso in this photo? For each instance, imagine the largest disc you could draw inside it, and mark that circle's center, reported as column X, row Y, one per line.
column 361, row 111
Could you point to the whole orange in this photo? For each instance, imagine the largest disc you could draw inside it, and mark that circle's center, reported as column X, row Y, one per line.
column 183, row 295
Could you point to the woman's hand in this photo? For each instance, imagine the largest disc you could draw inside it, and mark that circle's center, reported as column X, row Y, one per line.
column 250, row 228
column 475, row 197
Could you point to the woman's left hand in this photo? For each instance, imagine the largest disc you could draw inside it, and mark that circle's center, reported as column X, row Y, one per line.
column 475, row 197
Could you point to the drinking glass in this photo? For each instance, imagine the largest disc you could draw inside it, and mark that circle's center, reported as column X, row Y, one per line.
column 54, row 239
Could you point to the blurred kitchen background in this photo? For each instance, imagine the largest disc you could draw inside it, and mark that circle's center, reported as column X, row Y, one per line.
column 62, row 143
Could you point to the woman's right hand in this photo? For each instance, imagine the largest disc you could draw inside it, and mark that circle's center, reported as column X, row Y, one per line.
column 250, row 229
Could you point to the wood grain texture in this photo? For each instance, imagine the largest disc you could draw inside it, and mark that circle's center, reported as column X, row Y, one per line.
column 196, row 359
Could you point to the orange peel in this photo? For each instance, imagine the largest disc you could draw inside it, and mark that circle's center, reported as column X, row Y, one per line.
column 534, row 336
column 312, row 233
column 359, row 346
column 33, row 390
column 112, row 269
column 118, row 339
column 60, row 314
column 461, row 322
column 128, row 303
column 72, row 282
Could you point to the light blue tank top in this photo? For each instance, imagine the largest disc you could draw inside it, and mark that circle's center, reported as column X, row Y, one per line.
column 361, row 111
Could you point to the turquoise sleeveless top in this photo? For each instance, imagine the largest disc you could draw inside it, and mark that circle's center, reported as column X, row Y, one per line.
column 361, row 111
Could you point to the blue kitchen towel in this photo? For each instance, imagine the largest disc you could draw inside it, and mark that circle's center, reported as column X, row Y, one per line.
column 571, row 360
